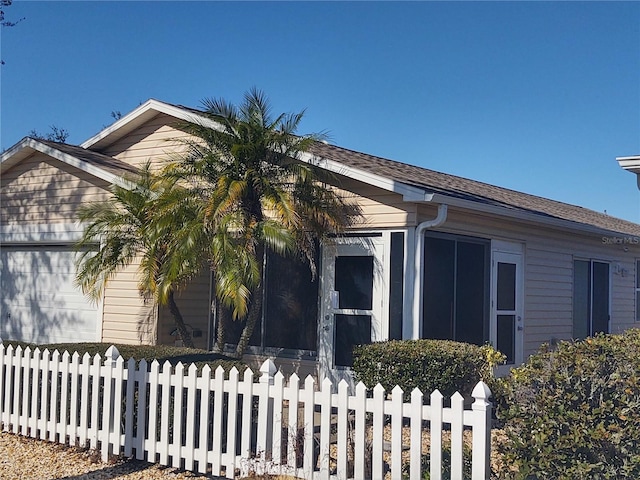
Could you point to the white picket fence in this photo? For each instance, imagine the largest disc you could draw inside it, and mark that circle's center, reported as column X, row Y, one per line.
column 230, row 426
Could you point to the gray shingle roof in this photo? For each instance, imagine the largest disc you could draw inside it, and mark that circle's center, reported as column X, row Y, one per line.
column 105, row 162
column 463, row 188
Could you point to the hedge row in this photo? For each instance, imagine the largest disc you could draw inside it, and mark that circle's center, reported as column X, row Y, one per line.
column 426, row 364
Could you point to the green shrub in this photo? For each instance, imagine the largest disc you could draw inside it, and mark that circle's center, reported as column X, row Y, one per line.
column 574, row 412
column 427, row 364
column 161, row 353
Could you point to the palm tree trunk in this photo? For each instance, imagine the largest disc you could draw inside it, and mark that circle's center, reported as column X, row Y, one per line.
column 177, row 317
column 221, row 324
column 256, row 306
column 252, row 318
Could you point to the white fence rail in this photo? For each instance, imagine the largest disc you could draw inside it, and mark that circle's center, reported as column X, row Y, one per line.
column 228, row 426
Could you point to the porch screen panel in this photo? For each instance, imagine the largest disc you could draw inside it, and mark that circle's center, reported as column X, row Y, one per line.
column 506, row 336
column 289, row 314
column 290, row 304
column 637, row 290
column 396, row 287
column 354, row 282
column 600, row 309
column 350, row 330
column 581, row 298
column 590, row 298
column 506, row 286
column 439, row 288
column 455, row 294
column 470, row 292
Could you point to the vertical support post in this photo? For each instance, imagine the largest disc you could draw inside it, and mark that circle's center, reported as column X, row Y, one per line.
column 457, row 438
column 377, row 440
column 481, row 450
column 110, row 358
column 435, row 425
column 265, row 411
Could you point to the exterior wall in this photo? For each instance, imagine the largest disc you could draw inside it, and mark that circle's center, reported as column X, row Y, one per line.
column 127, row 317
column 42, row 190
column 129, row 320
column 548, row 272
column 193, row 303
column 155, row 141
column 380, row 208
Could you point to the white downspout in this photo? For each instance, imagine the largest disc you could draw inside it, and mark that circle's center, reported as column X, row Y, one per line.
column 419, row 266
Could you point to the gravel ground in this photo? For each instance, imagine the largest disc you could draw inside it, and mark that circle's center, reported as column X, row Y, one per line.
column 23, row 458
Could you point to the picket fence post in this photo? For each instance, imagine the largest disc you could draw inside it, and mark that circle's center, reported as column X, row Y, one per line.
column 481, row 443
column 104, row 435
column 265, row 412
column 99, row 382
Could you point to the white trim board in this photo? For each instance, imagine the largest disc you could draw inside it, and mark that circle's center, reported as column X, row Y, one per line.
column 28, row 146
column 41, row 233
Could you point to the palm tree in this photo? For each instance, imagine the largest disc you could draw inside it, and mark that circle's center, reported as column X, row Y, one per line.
column 254, row 195
column 133, row 225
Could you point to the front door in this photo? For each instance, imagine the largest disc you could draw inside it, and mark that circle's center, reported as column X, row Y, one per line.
column 352, row 302
column 507, row 326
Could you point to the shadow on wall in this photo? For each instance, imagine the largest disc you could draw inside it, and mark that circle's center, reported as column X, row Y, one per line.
column 38, row 302
column 45, row 191
column 147, row 325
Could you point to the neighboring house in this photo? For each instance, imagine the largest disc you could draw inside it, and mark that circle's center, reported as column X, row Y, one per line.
column 631, row 164
column 435, row 256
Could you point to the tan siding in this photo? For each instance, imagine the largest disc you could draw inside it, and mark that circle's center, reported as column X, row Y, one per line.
column 43, row 190
column 193, row 303
column 158, row 139
column 380, row 209
column 155, row 141
column 623, row 297
column 548, row 271
column 127, row 318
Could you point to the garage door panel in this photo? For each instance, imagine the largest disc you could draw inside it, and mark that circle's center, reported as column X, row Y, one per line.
column 63, row 300
column 39, row 301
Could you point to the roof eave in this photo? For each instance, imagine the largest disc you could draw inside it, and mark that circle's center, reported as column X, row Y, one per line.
column 631, row 164
column 28, row 146
column 522, row 215
column 413, row 194
column 409, row 192
column 139, row 116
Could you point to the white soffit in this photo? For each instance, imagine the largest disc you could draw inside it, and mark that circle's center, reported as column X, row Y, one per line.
column 28, row 146
column 630, row 163
column 139, row 116
column 153, row 107
column 408, row 192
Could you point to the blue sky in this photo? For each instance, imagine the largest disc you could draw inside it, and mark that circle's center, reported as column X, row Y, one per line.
column 539, row 97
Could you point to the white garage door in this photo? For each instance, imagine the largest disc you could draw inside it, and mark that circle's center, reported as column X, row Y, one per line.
column 38, row 300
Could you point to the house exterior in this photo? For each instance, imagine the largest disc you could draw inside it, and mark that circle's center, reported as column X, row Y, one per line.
column 631, row 164
column 434, row 256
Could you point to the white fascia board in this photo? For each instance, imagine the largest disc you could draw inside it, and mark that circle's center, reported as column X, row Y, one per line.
column 76, row 162
column 29, row 145
column 630, row 163
column 152, row 107
column 145, row 112
column 408, row 192
column 12, row 151
column 519, row 215
column 15, row 154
